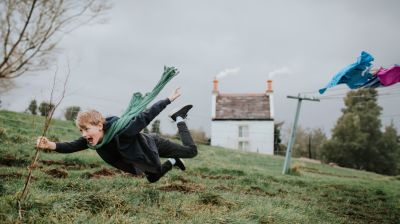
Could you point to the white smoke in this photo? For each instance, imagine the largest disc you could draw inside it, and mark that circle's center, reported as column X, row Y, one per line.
column 280, row 71
column 227, row 72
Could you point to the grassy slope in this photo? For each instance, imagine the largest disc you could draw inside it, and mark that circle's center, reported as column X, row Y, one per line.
column 220, row 186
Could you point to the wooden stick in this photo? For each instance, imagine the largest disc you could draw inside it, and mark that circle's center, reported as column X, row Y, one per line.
column 37, row 149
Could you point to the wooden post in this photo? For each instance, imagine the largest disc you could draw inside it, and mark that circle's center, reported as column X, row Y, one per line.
column 286, row 165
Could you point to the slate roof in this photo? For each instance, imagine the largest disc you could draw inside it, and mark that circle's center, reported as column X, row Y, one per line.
column 251, row 106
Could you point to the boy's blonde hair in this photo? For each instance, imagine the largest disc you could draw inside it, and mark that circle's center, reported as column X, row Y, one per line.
column 92, row 117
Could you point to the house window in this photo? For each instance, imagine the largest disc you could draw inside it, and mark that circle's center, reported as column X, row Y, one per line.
column 243, row 131
column 243, row 145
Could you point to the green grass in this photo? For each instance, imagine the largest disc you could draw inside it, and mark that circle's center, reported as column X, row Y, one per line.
column 219, row 186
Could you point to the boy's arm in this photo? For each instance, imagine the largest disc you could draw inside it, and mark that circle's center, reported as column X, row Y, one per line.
column 62, row 147
column 144, row 118
column 69, row 147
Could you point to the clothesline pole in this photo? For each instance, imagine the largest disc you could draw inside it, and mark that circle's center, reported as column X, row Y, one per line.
column 293, row 133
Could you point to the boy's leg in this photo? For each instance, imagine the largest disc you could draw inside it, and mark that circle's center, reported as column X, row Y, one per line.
column 172, row 150
column 169, row 149
column 153, row 177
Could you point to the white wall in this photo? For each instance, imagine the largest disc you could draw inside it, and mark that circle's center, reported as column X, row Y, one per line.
column 213, row 104
column 260, row 135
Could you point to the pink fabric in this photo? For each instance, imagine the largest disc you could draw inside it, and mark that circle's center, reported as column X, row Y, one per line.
column 389, row 76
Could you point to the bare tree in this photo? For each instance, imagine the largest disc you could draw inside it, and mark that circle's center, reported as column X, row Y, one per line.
column 31, row 29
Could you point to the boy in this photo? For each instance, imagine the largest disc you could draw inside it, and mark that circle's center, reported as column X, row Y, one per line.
column 129, row 150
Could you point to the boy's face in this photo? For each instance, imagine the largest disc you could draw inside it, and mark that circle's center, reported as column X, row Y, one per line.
column 92, row 133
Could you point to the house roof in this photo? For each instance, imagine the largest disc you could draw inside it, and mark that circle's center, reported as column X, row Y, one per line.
column 248, row 106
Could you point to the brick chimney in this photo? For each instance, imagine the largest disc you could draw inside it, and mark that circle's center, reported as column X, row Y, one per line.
column 215, row 85
column 269, row 86
column 269, row 93
column 214, row 98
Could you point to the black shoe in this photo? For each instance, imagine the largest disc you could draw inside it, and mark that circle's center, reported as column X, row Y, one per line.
column 181, row 112
column 180, row 164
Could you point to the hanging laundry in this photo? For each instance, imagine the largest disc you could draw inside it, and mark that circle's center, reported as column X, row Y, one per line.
column 374, row 82
column 389, row 76
column 355, row 75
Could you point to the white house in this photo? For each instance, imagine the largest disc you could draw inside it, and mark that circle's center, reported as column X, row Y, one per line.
column 243, row 121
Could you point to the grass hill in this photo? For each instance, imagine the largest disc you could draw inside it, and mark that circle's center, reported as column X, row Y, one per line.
column 220, row 186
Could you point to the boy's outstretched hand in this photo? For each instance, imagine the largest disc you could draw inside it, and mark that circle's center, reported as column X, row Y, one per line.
column 175, row 94
column 44, row 143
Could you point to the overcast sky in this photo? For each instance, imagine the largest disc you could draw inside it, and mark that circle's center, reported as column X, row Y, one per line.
column 300, row 44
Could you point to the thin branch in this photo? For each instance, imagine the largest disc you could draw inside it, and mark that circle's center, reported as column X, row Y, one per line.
column 46, row 126
column 8, row 29
column 49, row 32
column 20, row 35
column 37, row 39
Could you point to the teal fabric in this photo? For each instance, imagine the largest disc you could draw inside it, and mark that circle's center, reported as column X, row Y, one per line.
column 355, row 75
column 137, row 105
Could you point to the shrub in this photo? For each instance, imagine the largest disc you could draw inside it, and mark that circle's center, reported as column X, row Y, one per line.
column 71, row 113
column 199, row 136
column 33, row 107
column 45, row 108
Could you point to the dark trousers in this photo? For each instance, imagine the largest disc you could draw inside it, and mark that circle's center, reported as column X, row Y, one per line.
column 169, row 149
